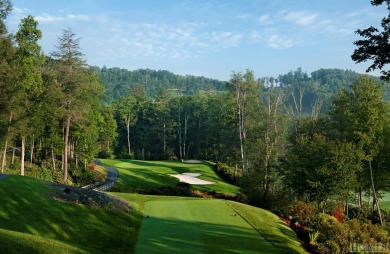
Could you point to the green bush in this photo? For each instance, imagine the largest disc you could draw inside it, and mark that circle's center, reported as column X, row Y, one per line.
column 227, row 173
column 337, row 237
column 303, row 212
column 333, row 235
column 105, row 154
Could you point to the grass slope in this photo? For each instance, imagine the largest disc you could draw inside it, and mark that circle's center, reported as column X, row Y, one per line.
column 25, row 209
column 12, row 242
column 190, row 225
column 154, row 174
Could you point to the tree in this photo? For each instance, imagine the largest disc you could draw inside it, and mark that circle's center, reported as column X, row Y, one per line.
column 5, row 9
column 77, row 87
column 376, row 44
column 107, row 126
column 125, row 110
column 28, row 62
column 315, row 167
column 7, row 79
column 360, row 116
column 246, row 92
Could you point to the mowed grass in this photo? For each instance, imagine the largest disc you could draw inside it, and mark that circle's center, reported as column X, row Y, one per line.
column 140, row 175
column 12, row 242
column 189, row 225
column 384, row 201
column 31, row 221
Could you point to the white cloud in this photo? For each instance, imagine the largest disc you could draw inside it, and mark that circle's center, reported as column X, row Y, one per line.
column 301, row 18
column 277, row 42
column 264, row 19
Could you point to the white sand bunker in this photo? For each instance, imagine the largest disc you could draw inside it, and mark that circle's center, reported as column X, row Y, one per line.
column 192, row 161
column 191, row 178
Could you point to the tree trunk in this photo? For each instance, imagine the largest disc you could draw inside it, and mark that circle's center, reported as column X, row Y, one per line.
column 22, row 155
column 4, row 161
column 32, row 150
column 128, row 133
column 185, row 135
column 375, row 201
column 13, row 156
column 66, row 144
column 164, row 140
column 53, row 158
column 4, row 156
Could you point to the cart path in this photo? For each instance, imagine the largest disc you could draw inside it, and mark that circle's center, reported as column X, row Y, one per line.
column 112, row 174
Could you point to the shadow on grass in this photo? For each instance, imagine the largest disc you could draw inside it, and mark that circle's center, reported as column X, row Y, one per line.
column 177, row 236
column 24, row 208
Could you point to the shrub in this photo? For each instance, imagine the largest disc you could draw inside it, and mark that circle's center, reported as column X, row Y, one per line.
column 105, row 154
column 338, row 212
column 333, row 235
column 229, row 174
column 303, row 212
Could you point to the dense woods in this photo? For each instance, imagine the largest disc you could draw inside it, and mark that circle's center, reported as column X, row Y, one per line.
column 309, row 137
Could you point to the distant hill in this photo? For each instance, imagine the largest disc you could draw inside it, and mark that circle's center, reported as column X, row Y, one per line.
column 321, row 84
column 119, row 82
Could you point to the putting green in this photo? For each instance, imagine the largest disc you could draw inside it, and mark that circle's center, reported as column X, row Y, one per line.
column 197, row 226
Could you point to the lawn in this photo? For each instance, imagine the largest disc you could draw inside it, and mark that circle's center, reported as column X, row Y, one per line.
column 189, row 225
column 384, row 201
column 140, row 175
column 31, row 221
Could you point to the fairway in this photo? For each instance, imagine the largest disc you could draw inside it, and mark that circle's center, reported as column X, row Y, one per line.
column 135, row 175
column 197, row 226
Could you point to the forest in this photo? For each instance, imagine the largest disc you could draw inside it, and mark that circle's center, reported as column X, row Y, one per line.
column 296, row 137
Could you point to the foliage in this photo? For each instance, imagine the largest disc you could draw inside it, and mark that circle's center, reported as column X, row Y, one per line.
column 313, row 236
column 337, row 237
column 120, row 82
column 303, row 212
column 229, row 174
column 374, row 45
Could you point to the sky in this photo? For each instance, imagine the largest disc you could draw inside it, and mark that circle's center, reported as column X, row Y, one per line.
column 210, row 38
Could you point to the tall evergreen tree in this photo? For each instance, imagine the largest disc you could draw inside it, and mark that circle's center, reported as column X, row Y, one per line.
column 77, row 86
column 28, row 63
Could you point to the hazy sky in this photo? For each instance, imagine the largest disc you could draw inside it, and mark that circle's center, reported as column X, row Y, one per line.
column 210, row 38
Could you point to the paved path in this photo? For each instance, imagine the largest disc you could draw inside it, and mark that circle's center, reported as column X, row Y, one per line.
column 112, row 175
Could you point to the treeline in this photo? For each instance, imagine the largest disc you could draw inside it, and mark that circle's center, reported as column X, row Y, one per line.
column 318, row 86
column 50, row 107
column 118, row 82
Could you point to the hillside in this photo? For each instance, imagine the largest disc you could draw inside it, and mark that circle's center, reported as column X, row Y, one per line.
column 33, row 220
column 321, row 84
column 118, row 82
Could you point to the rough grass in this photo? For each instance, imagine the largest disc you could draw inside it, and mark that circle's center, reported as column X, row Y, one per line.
column 270, row 227
column 190, row 225
column 25, row 209
column 141, row 175
column 12, row 242
column 99, row 174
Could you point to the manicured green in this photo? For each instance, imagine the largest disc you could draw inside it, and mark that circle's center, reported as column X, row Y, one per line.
column 24, row 208
column 155, row 174
column 385, row 200
column 190, row 225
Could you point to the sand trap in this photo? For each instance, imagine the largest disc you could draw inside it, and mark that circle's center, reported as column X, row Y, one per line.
column 191, row 179
column 192, row 161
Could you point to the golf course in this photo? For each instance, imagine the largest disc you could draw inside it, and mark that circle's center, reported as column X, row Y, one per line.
column 32, row 221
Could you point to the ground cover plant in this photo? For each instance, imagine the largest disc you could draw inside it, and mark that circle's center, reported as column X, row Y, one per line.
column 177, row 224
column 28, row 214
column 135, row 175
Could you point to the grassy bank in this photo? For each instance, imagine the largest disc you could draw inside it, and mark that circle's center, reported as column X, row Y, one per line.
column 146, row 175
